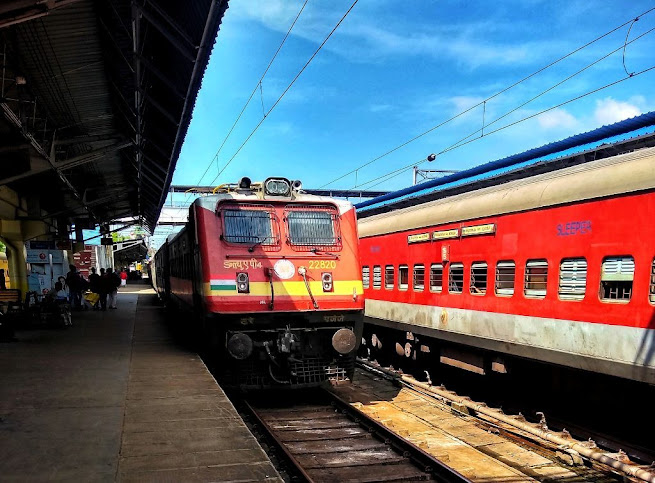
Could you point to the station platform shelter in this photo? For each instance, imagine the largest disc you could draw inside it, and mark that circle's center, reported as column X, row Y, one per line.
column 115, row 397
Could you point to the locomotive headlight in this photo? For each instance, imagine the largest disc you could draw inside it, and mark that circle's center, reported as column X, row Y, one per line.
column 326, row 278
column 243, row 283
column 239, row 345
column 344, row 341
column 277, row 187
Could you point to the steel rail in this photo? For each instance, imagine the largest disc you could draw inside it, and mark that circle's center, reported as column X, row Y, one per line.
column 428, row 463
column 535, row 430
column 271, row 432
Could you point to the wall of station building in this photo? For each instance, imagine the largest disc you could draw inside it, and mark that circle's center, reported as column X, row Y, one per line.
column 16, row 232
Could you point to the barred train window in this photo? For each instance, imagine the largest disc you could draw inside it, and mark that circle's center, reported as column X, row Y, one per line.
column 403, row 277
column 436, row 277
column 248, row 226
column 572, row 278
column 311, row 228
column 389, row 282
column 479, row 278
column 536, row 278
column 377, row 276
column 505, row 275
column 366, row 276
column 616, row 277
column 651, row 290
column 419, row 277
column 456, row 278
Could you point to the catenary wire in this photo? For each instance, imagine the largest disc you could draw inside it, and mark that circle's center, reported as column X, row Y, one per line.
column 502, row 91
column 285, row 91
column 254, row 91
column 397, row 172
column 252, row 94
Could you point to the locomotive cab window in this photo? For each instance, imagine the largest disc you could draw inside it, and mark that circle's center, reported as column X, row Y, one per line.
column 536, row 278
column 313, row 227
column 572, row 278
column 366, row 276
column 389, row 282
column 456, row 278
column 436, row 277
column 419, row 277
column 377, row 277
column 505, row 275
column 479, row 278
column 403, row 277
column 616, row 277
column 254, row 227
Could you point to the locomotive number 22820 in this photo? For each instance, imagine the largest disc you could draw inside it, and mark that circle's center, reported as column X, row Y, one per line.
column 322, row 264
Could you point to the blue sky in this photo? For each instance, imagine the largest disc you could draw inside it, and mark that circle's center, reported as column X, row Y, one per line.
column 395, row 69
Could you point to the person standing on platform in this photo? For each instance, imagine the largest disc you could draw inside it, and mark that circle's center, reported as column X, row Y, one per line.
column 103, row 288
column 94, row 285
column 113, row 284
column 74, row 282
column 123, row 278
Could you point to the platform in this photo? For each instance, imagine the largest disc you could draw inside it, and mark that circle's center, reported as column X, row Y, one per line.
column 116, row 398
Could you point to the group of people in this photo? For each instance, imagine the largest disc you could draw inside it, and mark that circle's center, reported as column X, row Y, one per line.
column 103, row 288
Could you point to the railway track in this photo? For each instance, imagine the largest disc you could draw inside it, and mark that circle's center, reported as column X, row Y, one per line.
column 429, row 415
column 333, row 441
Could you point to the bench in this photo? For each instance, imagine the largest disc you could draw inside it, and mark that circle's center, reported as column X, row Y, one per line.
column 10, row 296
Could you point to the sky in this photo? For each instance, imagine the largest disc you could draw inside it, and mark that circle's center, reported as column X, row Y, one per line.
column 393, row 70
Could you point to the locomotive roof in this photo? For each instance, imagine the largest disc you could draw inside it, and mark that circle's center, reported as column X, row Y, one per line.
column 625, row 173
column 209, row 202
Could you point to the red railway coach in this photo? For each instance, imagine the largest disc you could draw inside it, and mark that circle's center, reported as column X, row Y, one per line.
column 557, row 266
column 271, row 274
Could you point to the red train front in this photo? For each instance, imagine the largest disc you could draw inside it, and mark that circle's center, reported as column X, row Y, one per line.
column 272, row 275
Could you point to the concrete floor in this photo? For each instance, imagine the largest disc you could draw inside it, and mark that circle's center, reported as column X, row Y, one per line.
column 115, row 398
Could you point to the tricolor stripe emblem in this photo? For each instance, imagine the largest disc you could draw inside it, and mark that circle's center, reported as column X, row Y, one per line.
column 223, row 284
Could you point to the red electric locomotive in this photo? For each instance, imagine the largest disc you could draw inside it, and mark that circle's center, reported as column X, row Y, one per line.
column 553, row 263
column 271, row 275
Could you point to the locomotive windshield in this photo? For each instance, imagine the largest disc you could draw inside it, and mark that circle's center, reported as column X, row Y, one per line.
column 248, row 226
column 312, row 228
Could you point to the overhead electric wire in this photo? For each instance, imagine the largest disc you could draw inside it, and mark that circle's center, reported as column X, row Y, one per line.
column 483, row 102
column 285, row 91
column 257, row 86
column 460, row 143
column 252, row 94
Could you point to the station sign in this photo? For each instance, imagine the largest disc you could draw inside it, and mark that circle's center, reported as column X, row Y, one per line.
column 418, row 238
column 445, row 234
column 479, row 229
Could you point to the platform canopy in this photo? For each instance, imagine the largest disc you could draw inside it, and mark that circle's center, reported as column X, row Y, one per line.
column 95, row 101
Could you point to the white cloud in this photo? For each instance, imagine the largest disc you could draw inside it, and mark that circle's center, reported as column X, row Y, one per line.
column 365, row 37
column 609, row 110
column 380, row 107
column 557, row 118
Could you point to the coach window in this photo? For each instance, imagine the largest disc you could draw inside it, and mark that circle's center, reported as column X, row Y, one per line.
column 456, row 278
column 536, row 278
column 436, row 277
column 366, row 276
column 479, row 278
column 505, row 275
column 572, row 278
column 651, row 290
column 419, row 278
column 389, row 281
column 377, row 277
column 616, row 277
column 403, row 277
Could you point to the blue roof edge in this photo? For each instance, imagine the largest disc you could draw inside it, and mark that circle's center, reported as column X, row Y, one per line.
column 604, row 132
